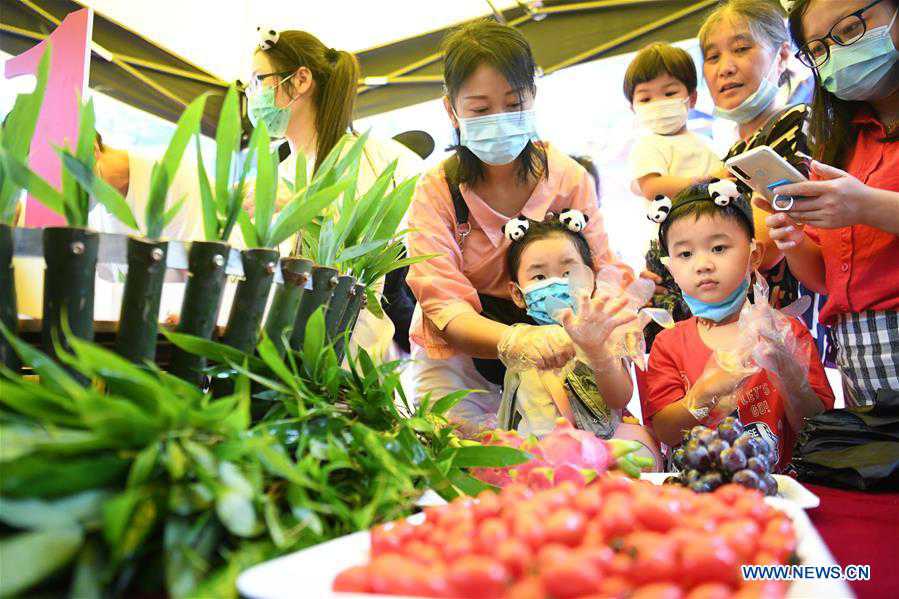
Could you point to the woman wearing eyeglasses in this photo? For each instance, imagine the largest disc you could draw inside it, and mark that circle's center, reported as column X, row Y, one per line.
column 843, row 237
column 305, row 92
column 746, row 47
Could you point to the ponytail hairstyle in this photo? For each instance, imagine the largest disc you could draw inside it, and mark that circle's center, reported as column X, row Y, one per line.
column 336, row 74
column 505, row 49
column 830, row 124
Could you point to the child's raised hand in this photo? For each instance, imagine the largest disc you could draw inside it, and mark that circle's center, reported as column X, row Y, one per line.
column 598, row 314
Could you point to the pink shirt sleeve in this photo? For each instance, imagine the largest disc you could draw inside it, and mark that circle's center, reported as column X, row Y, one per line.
column 442, row 289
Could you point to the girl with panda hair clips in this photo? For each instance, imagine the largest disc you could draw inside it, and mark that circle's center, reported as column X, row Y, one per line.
column 550, row 267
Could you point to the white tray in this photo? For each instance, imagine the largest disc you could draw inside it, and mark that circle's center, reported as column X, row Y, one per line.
column 787, row 488
column 310, row 572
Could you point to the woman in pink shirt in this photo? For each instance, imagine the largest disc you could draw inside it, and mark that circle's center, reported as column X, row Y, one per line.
column 500, row 170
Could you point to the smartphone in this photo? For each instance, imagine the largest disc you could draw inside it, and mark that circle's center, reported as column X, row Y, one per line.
column 764, row 170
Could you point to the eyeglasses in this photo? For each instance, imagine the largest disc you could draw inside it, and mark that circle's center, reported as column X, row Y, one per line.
column 845, row 32
column 255, row 83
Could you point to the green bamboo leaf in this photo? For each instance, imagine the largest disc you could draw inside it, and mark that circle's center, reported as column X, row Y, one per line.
column 351, row 253
column 207, row 201
column 314, row 340
column 27, row 179
column 269, row 354
column 227, row 142
column 80, row 509
column 52, row 476
column 219, row 352
column 17, row 133
column 102, row 191
column 299, row 175
column 397, row 204
column 236, row 512
column 484, row 456
column 154, row 217
column 371, row 202
column 170, row 214
column 88, row 581
column 188, row 125
column 50, row 372
column 30, row 399
column 247, row 230
column 30, row 557
column 445, row 403
column 468, row 485
column 266, row 187
column 143, row 465
column 302, row 209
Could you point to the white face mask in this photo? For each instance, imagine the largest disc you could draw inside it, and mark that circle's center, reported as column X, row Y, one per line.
column 663, row 117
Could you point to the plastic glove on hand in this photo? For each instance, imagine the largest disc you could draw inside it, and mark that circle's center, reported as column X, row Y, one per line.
column 523, row 347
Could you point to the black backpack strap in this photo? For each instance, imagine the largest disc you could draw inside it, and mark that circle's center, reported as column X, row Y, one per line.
column 451, row 174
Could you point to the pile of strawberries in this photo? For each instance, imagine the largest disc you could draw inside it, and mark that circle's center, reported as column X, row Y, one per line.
column 617, row 537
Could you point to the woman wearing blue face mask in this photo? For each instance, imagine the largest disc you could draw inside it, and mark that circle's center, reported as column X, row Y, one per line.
column 500, row 169
column 305, row 92
column 843, row 236
column 745, row 46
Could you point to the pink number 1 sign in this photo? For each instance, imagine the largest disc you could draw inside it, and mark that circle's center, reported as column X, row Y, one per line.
column 57, row 124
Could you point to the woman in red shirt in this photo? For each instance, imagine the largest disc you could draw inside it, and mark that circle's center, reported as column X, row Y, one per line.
column 842, row 238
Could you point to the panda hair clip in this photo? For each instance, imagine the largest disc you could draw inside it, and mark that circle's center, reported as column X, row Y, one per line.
column 267, row 38
column 574, row 220
column 516, row 228
column 723, row 191
column 659, row 209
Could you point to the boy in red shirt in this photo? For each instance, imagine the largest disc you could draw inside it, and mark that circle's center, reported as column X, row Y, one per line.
column 708, row 233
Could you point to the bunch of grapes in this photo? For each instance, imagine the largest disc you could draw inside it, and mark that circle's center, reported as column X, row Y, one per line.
column 709, row 458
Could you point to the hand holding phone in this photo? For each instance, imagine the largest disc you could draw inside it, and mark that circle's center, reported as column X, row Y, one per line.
column 764, row 170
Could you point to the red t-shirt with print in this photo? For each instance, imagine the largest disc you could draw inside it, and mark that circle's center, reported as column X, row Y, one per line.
column 678, row 358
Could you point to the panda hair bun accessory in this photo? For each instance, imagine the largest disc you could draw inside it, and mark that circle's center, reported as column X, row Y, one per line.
column 267, row 38
column 516, row 228
column 723, row 191
column 574, row 220
column 659, row 209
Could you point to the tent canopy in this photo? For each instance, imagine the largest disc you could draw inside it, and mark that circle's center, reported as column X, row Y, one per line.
column 395, row 73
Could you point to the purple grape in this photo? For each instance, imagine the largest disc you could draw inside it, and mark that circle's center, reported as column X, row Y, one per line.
column 696, row 431
column 713, row 480
column 763, row 447
column 697, row 455
column 732, row 460
column 732, row 424
column 758, row 464
column 678, row 459
column 769, row 485
column 747, row 478
column 746, row 444
column 700, row 485
column 707, row 437
column 728, row 432
column 715, row 449
column 691, row 476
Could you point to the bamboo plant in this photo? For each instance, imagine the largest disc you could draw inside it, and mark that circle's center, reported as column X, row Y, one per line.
column 336, row 176
column 262, row 234
column 207, row 260
column 139, row 484
column 362, row 240
column 15, row 141
column 139, row 314
column 70, row 252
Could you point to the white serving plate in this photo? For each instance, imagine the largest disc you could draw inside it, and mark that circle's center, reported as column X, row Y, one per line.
column 310, row 572
column 787, row 488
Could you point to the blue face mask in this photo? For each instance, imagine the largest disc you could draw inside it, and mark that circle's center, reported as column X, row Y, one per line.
column 755, row 104
column 719, row 310
column 535, row 297
column 261, row 107
column 498, row 138
column 860, row 71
